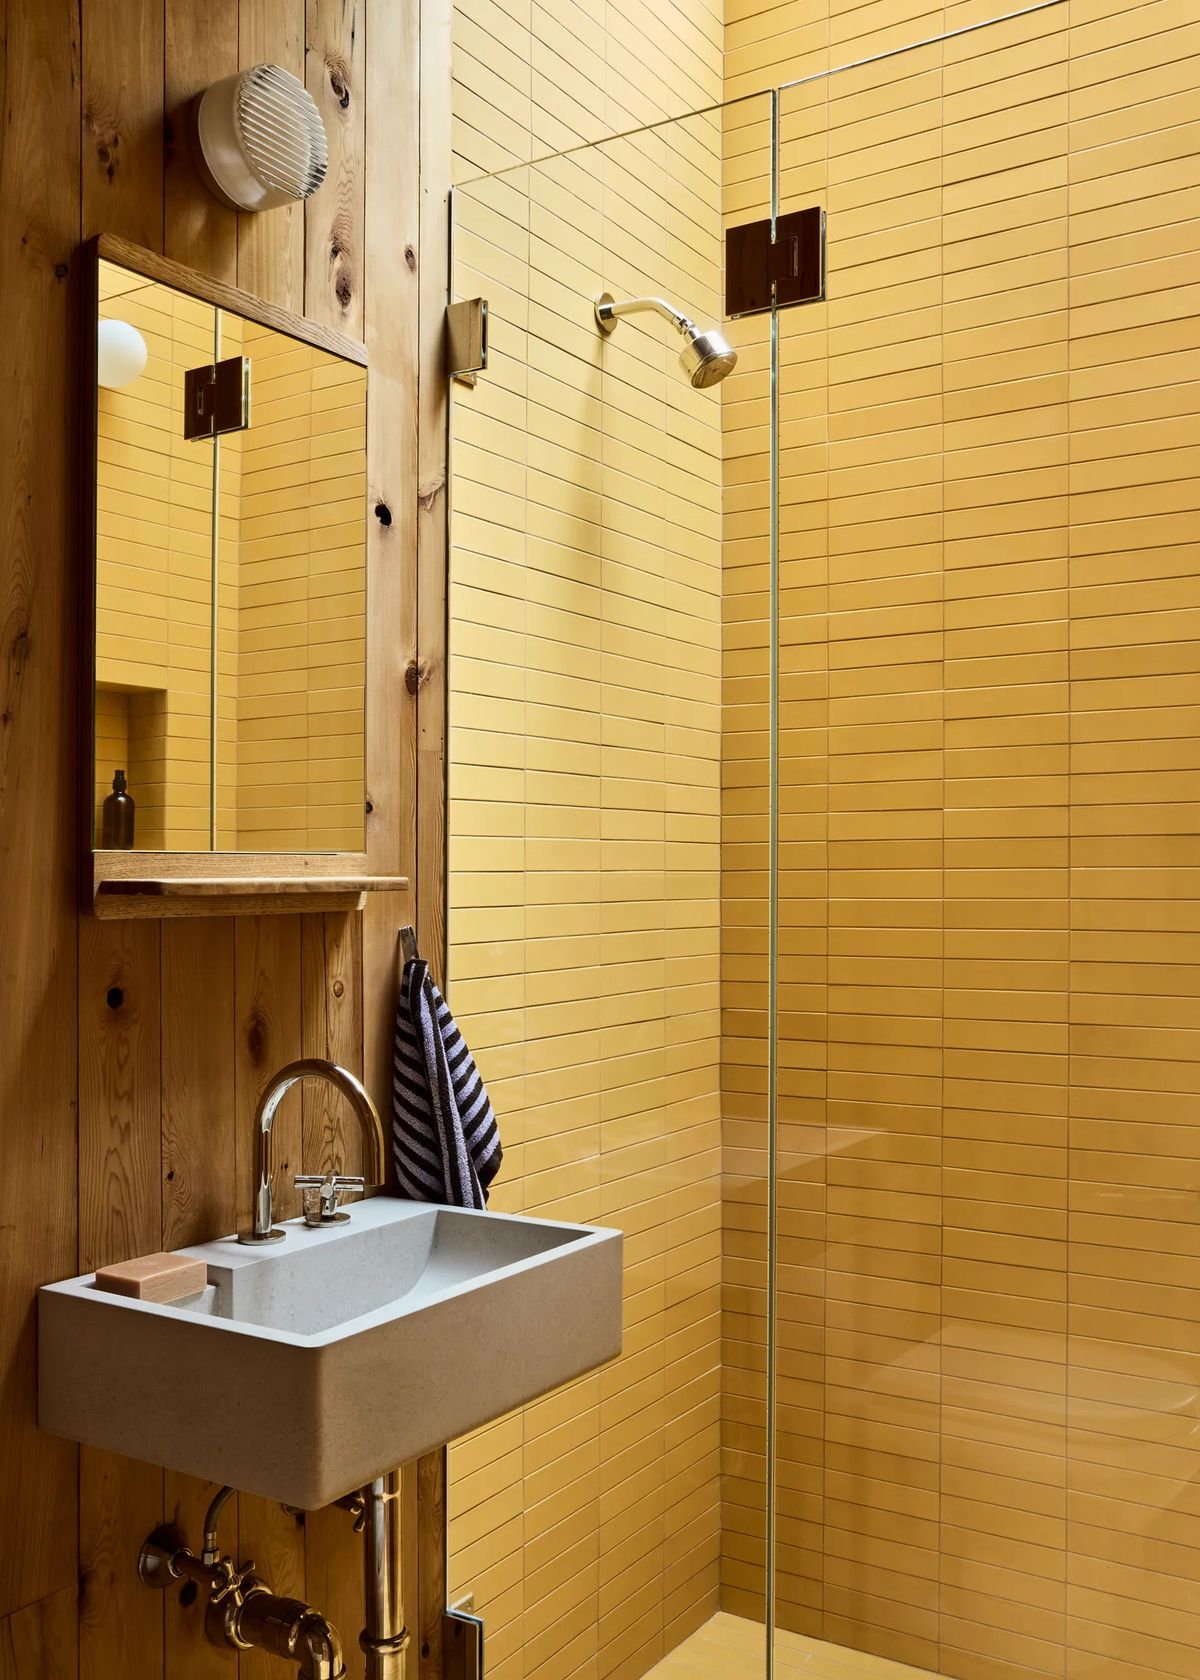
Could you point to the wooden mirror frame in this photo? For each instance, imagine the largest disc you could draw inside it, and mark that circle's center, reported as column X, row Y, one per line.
column 209, row 883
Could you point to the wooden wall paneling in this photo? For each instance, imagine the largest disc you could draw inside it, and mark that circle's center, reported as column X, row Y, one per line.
column 332, row 986
column 393, row 242
column 199, row 1189
column 331, row 235
column 39, row 696
column 333, row 1561
column 331, row 1025
column 120, row 1188
column 40, row 1639
column 123, row 119
column 120, row 1194
column 120, row 1216
column 433, row 499
column 391, row 234
column 270, row 248
column 335, row 75
column 267, row 999
column 201, row 42
column 428, row 1517
column 120, row 1623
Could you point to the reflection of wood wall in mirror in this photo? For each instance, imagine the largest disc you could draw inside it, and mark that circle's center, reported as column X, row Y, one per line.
column 290, row 573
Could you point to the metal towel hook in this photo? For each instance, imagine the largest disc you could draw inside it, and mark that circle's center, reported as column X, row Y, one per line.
column 408, row 945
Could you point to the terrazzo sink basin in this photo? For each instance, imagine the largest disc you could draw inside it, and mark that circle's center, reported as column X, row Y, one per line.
column 306, row 1368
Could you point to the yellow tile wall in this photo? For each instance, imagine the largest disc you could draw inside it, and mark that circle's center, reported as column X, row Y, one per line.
column 990, row 681
column 990, row 684
column 585, row 808
column 300, row 616
column 153, row 551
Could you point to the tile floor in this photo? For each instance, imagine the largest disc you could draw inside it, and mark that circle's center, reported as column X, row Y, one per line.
column 731, row 1648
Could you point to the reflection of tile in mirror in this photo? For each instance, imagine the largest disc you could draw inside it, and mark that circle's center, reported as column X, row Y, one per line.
column 301, row 618
column 153, row 571
column 290, row 582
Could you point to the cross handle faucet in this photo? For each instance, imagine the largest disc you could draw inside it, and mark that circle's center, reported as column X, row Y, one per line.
column 262, row 1228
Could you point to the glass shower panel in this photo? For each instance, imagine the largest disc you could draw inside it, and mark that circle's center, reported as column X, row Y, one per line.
column 587, row 537
column 747, row 800
column 923, row 873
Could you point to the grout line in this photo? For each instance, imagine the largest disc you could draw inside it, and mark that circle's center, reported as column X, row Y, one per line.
column 761, row 95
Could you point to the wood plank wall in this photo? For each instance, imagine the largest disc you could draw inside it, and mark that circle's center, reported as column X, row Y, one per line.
column 989, row 1060
column 131, row 1054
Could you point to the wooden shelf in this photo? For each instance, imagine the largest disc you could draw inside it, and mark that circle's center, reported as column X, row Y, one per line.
column 236, row 895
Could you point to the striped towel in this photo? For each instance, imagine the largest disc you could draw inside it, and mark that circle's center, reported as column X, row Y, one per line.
column 444, row 1136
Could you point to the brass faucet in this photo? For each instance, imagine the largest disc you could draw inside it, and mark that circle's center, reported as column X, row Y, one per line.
column 262, row 1229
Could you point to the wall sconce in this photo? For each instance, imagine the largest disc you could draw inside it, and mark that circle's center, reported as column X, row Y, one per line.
column 120, row 354
column 258, row 139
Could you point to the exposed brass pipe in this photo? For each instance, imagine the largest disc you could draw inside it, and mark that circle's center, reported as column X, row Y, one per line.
column 242, row 1613
column 384, row 1637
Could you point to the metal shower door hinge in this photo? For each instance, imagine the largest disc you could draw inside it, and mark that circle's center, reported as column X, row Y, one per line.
column 462, row 1641
column 467, row 339
column 761, row 272
column 216, row 398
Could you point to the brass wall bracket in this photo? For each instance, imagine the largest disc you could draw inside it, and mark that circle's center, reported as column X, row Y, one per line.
column 764, row 272
column 216, row 398
column 466, row 339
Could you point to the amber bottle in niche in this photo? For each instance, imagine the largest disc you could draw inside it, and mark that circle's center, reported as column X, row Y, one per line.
column 116, row 830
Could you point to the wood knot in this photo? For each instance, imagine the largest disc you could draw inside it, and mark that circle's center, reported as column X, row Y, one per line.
column 339, row 83
column 256, row 1037
column 61, row 271
column 427, row 496
column 383, row 513
column 410, row 257
column 106, row 155
column 339, row 988
column 416, row 675
column 18, row 650
column 114, row 997
column 344, row 290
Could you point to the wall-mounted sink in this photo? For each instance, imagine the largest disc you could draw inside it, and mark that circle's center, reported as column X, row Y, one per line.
column 305, row 1369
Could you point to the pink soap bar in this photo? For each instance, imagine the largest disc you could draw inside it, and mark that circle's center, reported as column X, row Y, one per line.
column 154, row 1277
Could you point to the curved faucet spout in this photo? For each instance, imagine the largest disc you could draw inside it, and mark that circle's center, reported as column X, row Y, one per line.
column 308, row 1067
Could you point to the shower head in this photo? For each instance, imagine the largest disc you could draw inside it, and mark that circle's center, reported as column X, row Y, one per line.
column 706, row 356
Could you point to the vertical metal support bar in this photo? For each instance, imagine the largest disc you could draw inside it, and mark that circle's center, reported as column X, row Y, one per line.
column 384, row 1637
column 773, row 942
column 214, row 619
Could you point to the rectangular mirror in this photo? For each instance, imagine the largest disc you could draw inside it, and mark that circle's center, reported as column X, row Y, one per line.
column 230, row 573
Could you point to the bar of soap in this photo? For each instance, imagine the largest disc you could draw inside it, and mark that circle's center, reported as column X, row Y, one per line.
column 154, row 1277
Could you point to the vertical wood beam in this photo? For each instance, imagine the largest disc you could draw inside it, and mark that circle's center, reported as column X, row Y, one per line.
column 40, row 119
column 120, row 1216
column 435, row 150
column 201, row 46
column 40, row 1640
column 122, row 119
column 335, row 75
column 270, row 253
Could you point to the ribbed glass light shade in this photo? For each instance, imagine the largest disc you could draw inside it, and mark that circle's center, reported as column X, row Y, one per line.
column 261, row 142
column 281, row 131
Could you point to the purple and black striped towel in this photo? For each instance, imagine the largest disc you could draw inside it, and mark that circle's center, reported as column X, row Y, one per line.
column 444, row 1135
